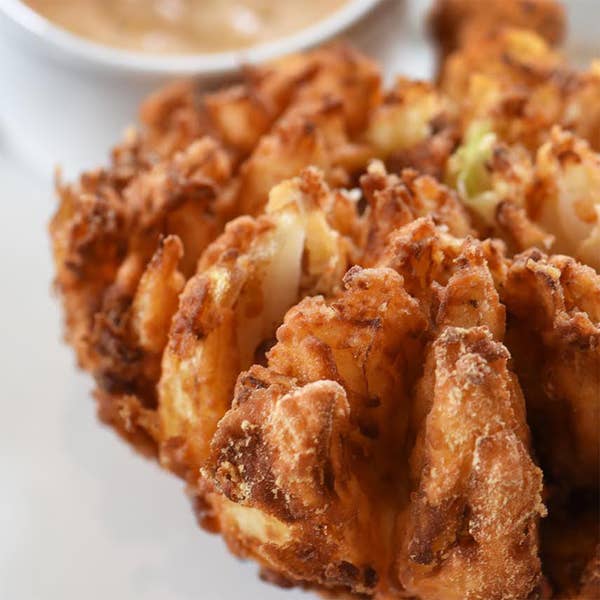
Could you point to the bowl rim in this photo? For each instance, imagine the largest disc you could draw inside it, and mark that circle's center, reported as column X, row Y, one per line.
column 218, row 63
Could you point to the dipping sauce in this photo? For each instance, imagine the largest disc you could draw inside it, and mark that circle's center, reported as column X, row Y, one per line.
column 183, row 26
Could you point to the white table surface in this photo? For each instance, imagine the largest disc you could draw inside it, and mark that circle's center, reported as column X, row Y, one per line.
column 81, row 515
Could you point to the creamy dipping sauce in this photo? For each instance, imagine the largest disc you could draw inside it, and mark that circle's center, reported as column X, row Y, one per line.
column 183, row 26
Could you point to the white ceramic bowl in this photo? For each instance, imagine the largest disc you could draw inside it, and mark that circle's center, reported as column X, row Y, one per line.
column 65, row 100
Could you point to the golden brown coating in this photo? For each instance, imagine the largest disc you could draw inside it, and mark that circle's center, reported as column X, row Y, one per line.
column 315, row 135
column 521, row 169
column 471, row 530
column 458, row 23
column 229, row 311
column 324, row 108
column 494, row 180
column 290, row 499
column 143, row 334
column 171, row 121
column 170, row 180
column 120, row 277
column 521, row 87
column 550, row 201
column 394, row 201
column 105, row 235
column 336, row 90
column 239, row 115
column 428, row 258
column 555, row 337
column 565, row 196
column 471, row 436
column 133, row 421
column 315, row 445
column 305, row 460
column 364, row 340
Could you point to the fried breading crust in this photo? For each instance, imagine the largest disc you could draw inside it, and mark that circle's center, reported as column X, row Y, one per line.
column 239, row 115
column 494, row 181
column 472, row 526
column 229, row 311
column 394, row 201
column 548, row 200
column 458, row 23
column 105, row 234
column 554, row 337
column 565, row 196
column 338, row 523
column 317, row 128
column 171, row 179
column 447, row 534
column 556, row 300
column 374, row 327
column 428, row 257
column 200, row 161
column 414, row 126
column 515, row 81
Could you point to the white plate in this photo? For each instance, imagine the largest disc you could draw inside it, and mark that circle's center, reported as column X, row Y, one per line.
column 82, row 516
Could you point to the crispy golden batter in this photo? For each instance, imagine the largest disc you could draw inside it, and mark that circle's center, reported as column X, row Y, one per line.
column 494, row 180
column 471, row 529
column 550, row 201
column 311, row 469
column 565, row 196
column 239, row 115
column 554, row 337
column 170, row 180
column 105, row 236
column 520, row 169
column 305, row 460
column 293, row 517
column 167, row 179
column 394, row 201
column 326, row 113
column 468, row 417
column 428, row 257
column 521, row 87
column 231, row 308
column 145, row 332
column 316, row 135
column 555, row 304
column 414, row 126
column 118, row 275
column 458, row 23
